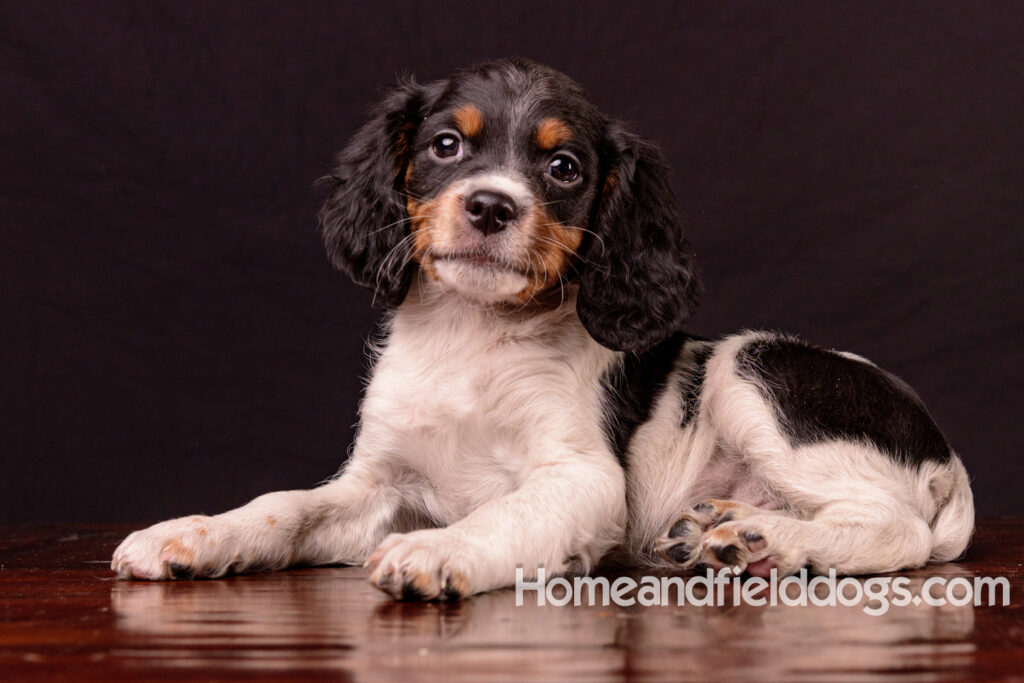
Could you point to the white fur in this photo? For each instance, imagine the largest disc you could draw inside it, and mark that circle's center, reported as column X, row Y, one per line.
column 835, row 503
column 468, row 280
column 506, row 182
column 485, row 424
column 481, row 448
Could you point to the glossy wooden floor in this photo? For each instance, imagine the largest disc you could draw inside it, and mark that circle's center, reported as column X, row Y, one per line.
column 63, row 617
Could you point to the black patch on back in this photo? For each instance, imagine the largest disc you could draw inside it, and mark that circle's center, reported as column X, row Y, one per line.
column 631, row 388
column 818, row 395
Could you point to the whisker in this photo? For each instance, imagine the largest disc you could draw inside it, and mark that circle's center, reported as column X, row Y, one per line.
column 387, row 262
column 391, row 225
column 407, row 194
column 554, row 201
column 419, row 282
column 552, row 240
column 576, row 227
column 555, row 242
column 586, row 230
column 531, row 273
column 561, row 289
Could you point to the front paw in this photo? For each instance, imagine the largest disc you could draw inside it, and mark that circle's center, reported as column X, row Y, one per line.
column 176, row 549
column 421, row 565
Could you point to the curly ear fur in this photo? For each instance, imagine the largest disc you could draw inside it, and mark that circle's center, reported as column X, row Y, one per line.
column 364, row 219
column 641, row 285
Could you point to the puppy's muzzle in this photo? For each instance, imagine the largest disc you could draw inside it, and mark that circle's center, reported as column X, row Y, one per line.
column 489, row 211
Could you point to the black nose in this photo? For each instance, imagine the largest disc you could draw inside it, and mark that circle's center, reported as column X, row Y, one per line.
column 490, row 211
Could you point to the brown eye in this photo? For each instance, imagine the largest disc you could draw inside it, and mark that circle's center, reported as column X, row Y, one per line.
column 564, row 168
column 446, row 145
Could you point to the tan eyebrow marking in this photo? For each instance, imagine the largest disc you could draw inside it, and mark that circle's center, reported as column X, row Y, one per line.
column 552, row 132
column 469, row 120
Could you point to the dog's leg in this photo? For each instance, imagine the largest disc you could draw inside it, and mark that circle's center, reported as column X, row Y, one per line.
column 564, row 517
column 848, row 506
column 339, row 522
column 847, row 536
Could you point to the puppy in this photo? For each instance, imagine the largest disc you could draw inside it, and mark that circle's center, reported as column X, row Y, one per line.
column 535, row 401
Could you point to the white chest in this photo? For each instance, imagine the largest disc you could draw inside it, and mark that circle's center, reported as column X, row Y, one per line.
column 471, row 407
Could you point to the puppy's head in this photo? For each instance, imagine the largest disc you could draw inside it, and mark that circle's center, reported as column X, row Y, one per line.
column 504, row 182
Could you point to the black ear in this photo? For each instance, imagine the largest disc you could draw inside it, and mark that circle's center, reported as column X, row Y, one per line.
column 638, row 283
column 364, row 219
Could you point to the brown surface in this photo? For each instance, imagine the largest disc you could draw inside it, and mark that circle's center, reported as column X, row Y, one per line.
column 62, row 616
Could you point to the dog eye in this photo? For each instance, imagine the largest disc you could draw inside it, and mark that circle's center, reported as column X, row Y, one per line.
column 564, row 168
column 446, row 145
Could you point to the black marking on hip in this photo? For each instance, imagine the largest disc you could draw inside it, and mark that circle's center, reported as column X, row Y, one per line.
column 818, row 394
column 632, row 387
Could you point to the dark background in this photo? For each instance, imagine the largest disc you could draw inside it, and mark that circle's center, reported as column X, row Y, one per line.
column 174, row 341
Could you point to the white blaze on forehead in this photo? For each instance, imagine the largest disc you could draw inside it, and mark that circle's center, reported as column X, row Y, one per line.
column 499, row 182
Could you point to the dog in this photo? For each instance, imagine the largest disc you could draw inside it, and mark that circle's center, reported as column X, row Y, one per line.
column 535, row 400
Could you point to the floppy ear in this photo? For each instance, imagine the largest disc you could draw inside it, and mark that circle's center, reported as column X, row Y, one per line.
column 364, row 217
column 638, row 283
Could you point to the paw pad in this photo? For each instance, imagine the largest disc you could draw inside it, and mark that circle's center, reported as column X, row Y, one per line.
column 679, row 553
column 754, row 540
column 682, row 528
column 726, row 554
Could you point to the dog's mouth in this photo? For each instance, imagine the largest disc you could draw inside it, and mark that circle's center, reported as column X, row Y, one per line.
column 481, row 259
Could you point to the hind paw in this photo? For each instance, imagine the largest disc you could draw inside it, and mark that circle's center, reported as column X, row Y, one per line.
column 739, row 546
column 727, row 534
column 681, row 543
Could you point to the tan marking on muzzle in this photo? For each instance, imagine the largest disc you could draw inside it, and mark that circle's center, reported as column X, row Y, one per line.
column 551, row 254
column 421, row 214
column 431, row 225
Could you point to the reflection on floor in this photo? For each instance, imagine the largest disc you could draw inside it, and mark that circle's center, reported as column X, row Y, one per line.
column 63, row 615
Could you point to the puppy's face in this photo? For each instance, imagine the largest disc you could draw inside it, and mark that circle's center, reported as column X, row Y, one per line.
column 501, row 182
column 504, row 182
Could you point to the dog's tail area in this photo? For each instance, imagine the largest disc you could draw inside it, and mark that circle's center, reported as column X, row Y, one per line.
column 953, row 525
